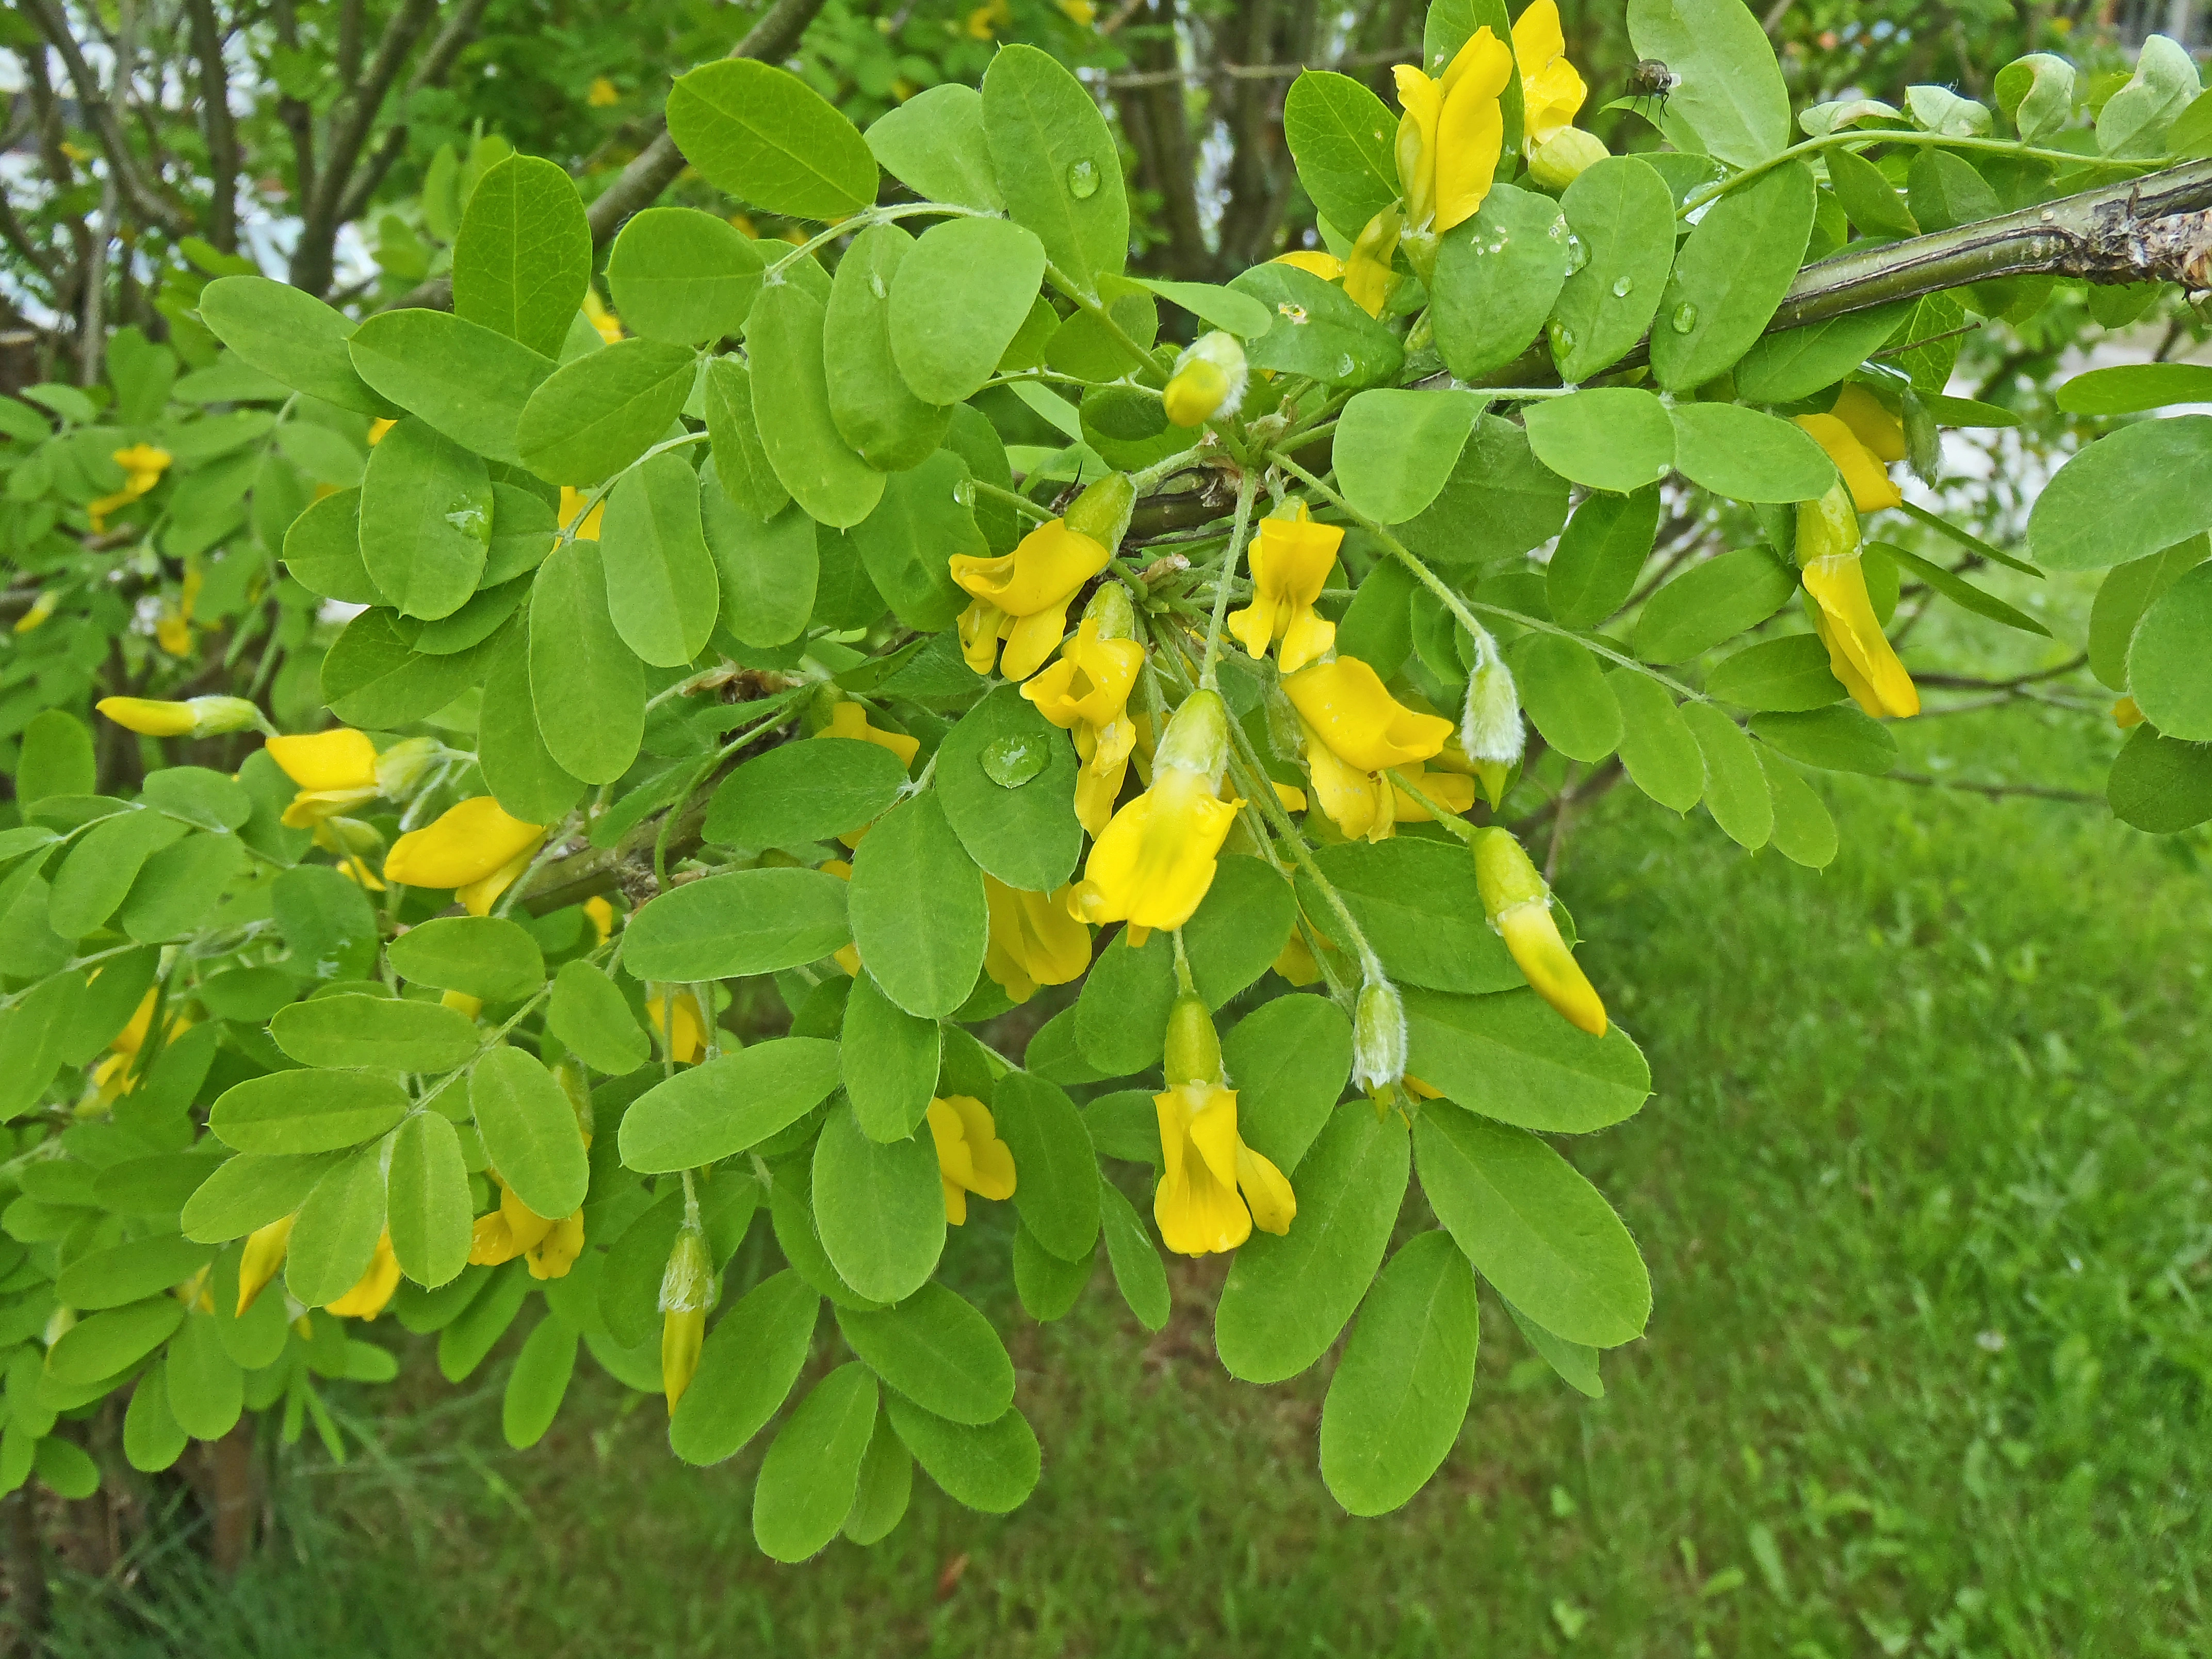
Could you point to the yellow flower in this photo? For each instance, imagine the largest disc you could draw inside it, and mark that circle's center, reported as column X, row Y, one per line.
column 352, row 841
column 970, row 1156
column 475, row 848
column 1034, row 941
column 2127, row 713
column 263, row 1256
column 1451, row 789
column 602, row 95
column 1871, row 488
column 143, row 466
column 461, row 1003
column 987, row 20
column 1321, row 263
column 1155, row 860
column 1291, row 558
column 688, row 1288
column 677, row 1019
column 373, row 1291
column 196, row 717
column 609, row 329
column 1087, row 692
column 1550, row 91
column 1081, row 13
column 1355, row 730
column 1022, row 597
column 1367, row 277
column 549, row 1248
column 41, row 608
column 601, row 915
column 1519, row 906
column 378, row 427
column 1213, row 1188
column 1843, row 616
column 850, row 719
column 335, row 771
column 846, row 957
column 572, row 503
column 173, row 632
column 1296, row 961
column 1452, row 130
column 113, row 1078
column 1209, row 381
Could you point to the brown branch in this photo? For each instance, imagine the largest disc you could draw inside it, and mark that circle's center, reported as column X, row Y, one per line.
column 292, row 114
column 1155, row 118
column 357, row 113
column 1996, row 791
column 461, row 28
column 222, row 228
column 145, row 202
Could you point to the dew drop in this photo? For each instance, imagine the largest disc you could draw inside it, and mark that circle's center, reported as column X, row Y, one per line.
column 1012, row 761
column 1345, row 367
column 876, row 286
column 1563, row 339
column 1621, row 285
column 1685, row 317
column 964, row 493
column 1577, row 254
column 1083, row 180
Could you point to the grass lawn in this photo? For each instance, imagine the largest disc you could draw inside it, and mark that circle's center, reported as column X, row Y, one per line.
column 1925, row 1194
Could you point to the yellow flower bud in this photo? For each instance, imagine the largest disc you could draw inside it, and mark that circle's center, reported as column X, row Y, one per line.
column 1519, row 906
column 196, row 717
column 682, row 1335
column 1859, row 654
column 971, row 1157
column 263, row 1256
column 688, row 1289
column 372, row 1293
column 1565, row 157
column 1209, row 381
column 1213, row 1188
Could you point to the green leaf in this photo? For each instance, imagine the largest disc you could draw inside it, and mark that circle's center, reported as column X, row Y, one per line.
column 1239, row 927
column 1121, row 1012
column 486, row 957
column 886, row 1486
column 2134, row 119
column 1286, row 1298
column 2037, row 92
column 908, row 542
column 337, row 1233
column 291, row 336
column 1056, row 163
column 1836, row 739
column 1735, row 788
column 2124, row 595
column 1137, row 1273
column 354, row 1030
column 748, row 484
column 812, row 1469
column 1417, row 902
column 99, row 1347
column 472, row 1333
column 518, row 770
column 934, row 145
column 586, row 682
column 251, row 1191
column 726, row 1104
column 125, row 1272
column 747, row 922
column 1600, row 556
column 917, row 909
column 991, row 1469
column 2167, row 668
column 298, row 1112
column 1793, row 364
column 1394, row 450
column 1500, row 501
column 683, row 275
column 1290, row 1059
column 372, row 677
column 1620, row 211
column 1790, row 673
column 595, row 416
column 768, row 571
column 803, row 792
column 1046, row 1285
column 97, row 873
column 758, row 132
column 152, row 1439
column 428, row 1199
column 1533, row 1227
column 1565, row 696
column 1614, row 438
column 1239, row 312
column 1712, row 602
column 1731, row 93
column 209, row 801
column 1961, row 592
column 1497, row 277
column 1926, row 345
column 1866, row 194
column 538, row 1382
column 54, row 758
column 878, row 1208
column 793, row 410
column 751, row 1359
column 938, row 1352
column 1575, row 1362
column 1026, row 833
column 1803, row 832
column 1343, row 139
column 179, row 885
column 588, row 1014
column 889, row 1060
column 530, row 1131
column 523, row 257
column 2130, row 494
column 467, row 382
column 2135, row 386
column 1322, row 332
column 876, row 411
column 1946, row 191
column 1401, row 1392
column 1510, row 1056
column 957, row 301
column 1730, row 276
column 1056, row 1172
column 1748, row 455
column 663, row 591
column 2160, row 784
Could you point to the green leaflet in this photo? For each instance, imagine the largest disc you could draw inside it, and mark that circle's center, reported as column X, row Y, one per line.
column 1342, row 137
column 1394, row 450
column 1621, row 213
column 878, row 1207
column 353, row 1029
column 2129, row 495
column 917, row 909
column 427, row 1199
column 1836, row 739
column 992, row 1468
column 530, row 1131
column 663, row 590
column 1005, row 781
column 889, row 1060
column 593, row 1021
column 1711, row 602
column 760, row 133
column 291, row 336
column 747, row 922
column 1565, row 694
column 1736, row 790
column 1511, row 1057
column 934, row 143
column 586, row 683
column 1137, row 1273
column 1791, row 672
column 538, row 1382
column 593, row 417
column 768, row 571
column 919, row 526
column 1748, row 455
column 523, row 257
column 1731, row 274
column 1290, row 1059
column 1731, row 94
column 1803, row 832
column 1057, row 165
column 337, row 1233
column 469, row 383
column 875, row 408
column 682, row 276
column 1056, row 1185
column 1497, row 277
column 1613, row 437
column 1418, row 906
column 957, row 302
column 1239, row 927
column 938, row 1352
column 486, row 957
column 793, row 413
column 294, row 1113
column 812, row 1470
column 726, row 1104
column 752, row 1357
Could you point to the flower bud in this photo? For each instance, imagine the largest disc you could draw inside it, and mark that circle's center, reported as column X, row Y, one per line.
column 1519, row 906
column 264, row 1254
column 197, row 717
column 1563, row 157
column 1490, row 726
column 1102, row 512
column 1110, row 609
column 1378, row 1036
column 1922, row 444
column 1827, row 528
column 1208, row 382
column 2127, row 713
column 1193, row 1048
column 401, row 769
column 1367, row 277
column 1197, row 737
column 687, row 1291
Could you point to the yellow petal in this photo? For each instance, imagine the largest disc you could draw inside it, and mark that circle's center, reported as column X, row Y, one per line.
column 1345, row 704
column 1543, row 957
column 1045, row 570
column 1155, row 859
column 1350, row 798
column 849, row 720
column 1266, row 1190
column 1471, row 130
column 1422, row 100
column 373, row 1291
column 341, row 758
column 1320, row 262
column 491, row 1241
column 1871, row 487
column 467, row 843
column 149, row 717
column 1870, row 421
column 682, row 1335
column 478, row 897
column 557, row 1251
column 1213, row 1128
column 1838, row 585
column 263, row 1255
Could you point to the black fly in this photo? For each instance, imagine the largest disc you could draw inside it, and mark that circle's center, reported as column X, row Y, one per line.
column 1652, row 79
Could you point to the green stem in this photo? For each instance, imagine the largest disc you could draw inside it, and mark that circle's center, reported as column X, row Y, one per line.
column 1697, row 198
column 1139, row 356
column 568, row 530
column 861, row 221
column 1226, row 573
column 1019, row 503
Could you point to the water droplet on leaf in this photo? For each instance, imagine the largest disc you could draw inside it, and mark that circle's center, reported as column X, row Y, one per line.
column 1345, row 367
column 1083, row 180
column 1013, row 761
column 1577, row 254
column 1563, row 339
column 876, row 286
column 1685, row 317
column 1621, row 285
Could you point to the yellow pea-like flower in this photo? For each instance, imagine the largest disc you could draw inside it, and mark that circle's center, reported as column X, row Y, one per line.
column 1452, row 130
column 1519, row 906
column 373, row 1291
column 1871, row 488
column 468, row 846
column 1859, row 654
column 548, row 1247
column 1086, row 692
column 263, row 1259
column 1291, row 558
column 143, row 466
column 1022, row 597
column 1550, row 91
column 1155, row 859
column 1213, row 1188
column 677, row 1020
column 1033, row 940
column 970, row 1155
column 195, row 717
column 1355, row 731
column 335, row 771
column 850, row 719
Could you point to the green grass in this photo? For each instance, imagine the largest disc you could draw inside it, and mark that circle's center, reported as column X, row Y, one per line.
column 1924, row 1194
